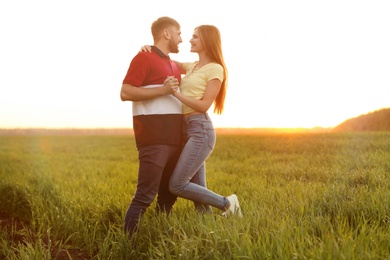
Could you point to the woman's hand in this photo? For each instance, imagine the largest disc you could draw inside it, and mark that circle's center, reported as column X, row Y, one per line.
column 146, row 48
column 171, row 85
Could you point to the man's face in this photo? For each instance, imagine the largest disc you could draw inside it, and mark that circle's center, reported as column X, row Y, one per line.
column 175, row 39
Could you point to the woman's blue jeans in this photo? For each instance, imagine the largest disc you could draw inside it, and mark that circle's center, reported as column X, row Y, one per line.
column 189, row 177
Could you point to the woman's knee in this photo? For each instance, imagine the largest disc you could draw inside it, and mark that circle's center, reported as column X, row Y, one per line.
column 175, row 188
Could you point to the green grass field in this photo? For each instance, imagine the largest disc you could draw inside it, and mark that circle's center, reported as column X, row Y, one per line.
column 303, row 196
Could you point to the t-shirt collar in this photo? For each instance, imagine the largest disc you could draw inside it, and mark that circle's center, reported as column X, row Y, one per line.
column 159, row 52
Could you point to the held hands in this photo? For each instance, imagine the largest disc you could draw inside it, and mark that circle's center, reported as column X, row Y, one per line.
column 171, row 85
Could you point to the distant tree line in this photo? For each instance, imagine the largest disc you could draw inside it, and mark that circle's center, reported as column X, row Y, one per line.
column 375, row 121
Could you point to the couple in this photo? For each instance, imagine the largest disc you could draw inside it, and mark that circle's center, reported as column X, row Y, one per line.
column 164, row 118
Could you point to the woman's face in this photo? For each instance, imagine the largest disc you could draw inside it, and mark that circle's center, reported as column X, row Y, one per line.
column 196, row 43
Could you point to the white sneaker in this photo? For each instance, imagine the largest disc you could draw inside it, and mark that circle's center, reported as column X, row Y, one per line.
column 234, row 206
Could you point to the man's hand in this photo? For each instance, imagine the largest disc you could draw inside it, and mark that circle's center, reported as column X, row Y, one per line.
column 171, row 85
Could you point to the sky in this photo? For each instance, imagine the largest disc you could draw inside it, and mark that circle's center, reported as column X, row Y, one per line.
column 291, row 63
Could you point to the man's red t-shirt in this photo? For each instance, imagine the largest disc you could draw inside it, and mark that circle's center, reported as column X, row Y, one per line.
column 158, row 120
column 151, row 68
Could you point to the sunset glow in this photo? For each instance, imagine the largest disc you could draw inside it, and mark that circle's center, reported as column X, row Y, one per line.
column 291, row 63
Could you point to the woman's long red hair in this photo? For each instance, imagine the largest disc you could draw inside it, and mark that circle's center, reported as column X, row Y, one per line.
column 211, row 40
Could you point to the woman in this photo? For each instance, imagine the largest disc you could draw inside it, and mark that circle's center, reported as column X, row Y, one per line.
column 204, row 83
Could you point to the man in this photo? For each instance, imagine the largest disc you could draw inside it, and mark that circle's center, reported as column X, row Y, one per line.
column 157, row 119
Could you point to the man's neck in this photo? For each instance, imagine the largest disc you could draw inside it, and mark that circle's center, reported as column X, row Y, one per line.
column 162, row 48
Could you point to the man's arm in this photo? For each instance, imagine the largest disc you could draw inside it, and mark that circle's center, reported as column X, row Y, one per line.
column 133, row 93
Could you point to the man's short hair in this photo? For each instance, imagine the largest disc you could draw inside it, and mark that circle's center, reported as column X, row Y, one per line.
column 161, row 24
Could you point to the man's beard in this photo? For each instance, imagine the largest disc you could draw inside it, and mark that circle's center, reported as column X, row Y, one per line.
column 173, row 47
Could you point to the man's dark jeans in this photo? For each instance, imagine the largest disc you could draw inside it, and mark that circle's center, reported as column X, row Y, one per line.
column 156, row 164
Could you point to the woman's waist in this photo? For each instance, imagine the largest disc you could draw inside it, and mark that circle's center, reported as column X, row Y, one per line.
column 201, row 119
column 187, row 115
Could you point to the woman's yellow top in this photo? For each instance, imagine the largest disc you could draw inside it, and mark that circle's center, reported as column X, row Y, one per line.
column 194, row 83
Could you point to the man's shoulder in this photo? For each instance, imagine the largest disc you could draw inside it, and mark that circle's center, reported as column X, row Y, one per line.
column 147, row 56
column 143, row 55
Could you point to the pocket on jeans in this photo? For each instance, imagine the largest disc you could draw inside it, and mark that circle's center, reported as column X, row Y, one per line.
column 195, row 129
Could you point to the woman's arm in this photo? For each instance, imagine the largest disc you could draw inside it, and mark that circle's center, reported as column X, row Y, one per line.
column 181, row 67
column 202, row 105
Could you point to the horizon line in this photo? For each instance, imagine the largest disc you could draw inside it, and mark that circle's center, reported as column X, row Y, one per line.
column 129, row 130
